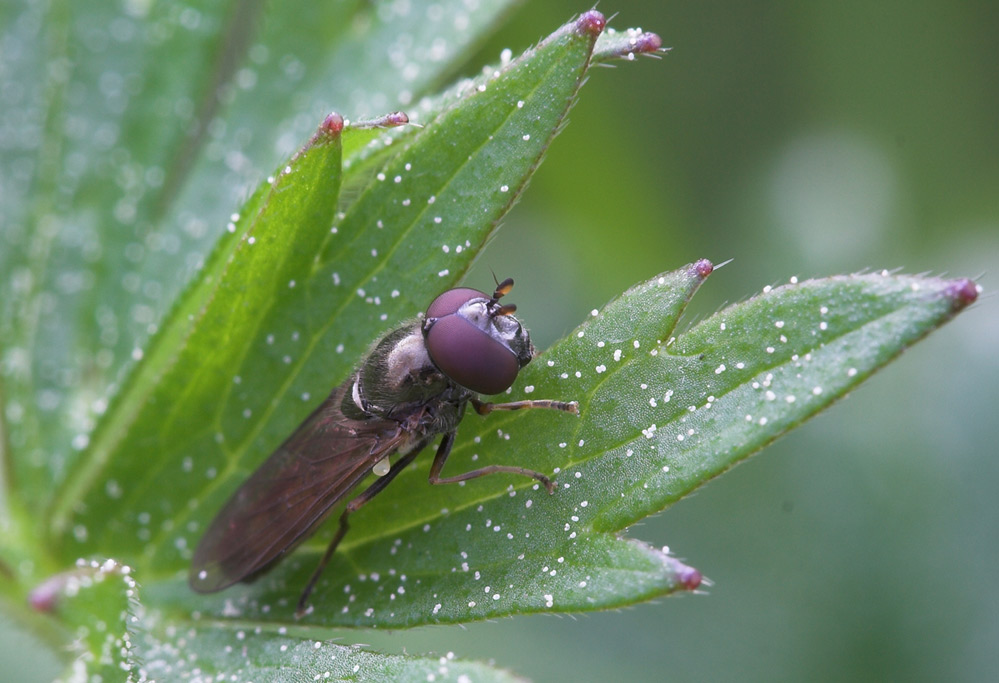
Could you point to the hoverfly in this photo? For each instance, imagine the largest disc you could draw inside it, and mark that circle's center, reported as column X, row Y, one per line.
column 412, row 386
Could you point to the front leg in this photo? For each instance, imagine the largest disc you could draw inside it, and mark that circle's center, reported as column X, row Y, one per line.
column 445, row 449
column 485, row 408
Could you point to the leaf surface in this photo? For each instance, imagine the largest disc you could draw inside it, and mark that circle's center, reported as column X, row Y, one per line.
column 662, row 413
column 257, row 341
column 130, row 132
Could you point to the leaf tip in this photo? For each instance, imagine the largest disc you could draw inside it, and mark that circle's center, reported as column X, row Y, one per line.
column 963, row 292
column 332, row 124
column 648, row 42
column 628, row 44
column 396, row 118
column 689, row 578
column 591, row 23
column 640, row 42
column 46, row 596
column 701, row 269
column 684, row 577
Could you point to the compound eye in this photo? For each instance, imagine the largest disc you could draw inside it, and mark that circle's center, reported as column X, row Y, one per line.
column 450, row 301
column 470, row 356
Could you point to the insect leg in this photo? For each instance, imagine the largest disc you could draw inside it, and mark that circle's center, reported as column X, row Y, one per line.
column 445, row 449
column 486, row 408
column 353, row 506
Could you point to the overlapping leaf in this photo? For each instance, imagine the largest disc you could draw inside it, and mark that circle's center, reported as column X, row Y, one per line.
column 266, row 655
column 129, row 132
column 661, row 413
column 115, row 638
column 226, row 382
column 99, row 603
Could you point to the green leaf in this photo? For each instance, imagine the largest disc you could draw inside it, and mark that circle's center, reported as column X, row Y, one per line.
column 256, row 342
column 241, row 287
column 104, row 99
column 130, row 133
column 115, row 638
column 206, row 651
column 667, row 414
column 661, row 414
column 627, row 44
column 99, row 603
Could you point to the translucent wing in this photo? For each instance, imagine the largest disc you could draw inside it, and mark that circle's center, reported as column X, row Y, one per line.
column 291, row 494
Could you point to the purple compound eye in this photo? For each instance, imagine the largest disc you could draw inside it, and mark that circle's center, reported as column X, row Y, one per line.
column 469, row 336
column 450, row 301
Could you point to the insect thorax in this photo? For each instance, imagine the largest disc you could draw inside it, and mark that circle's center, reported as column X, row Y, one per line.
column 398, row 377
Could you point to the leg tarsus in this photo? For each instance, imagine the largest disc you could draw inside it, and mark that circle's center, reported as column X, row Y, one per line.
column 483, row 408
column 445, row 449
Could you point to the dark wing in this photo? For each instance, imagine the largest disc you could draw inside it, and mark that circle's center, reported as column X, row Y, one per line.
column 291, row 494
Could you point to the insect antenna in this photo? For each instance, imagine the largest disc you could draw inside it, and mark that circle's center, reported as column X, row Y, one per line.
column 502, row 289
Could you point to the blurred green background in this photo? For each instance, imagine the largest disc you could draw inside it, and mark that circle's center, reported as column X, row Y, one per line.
column 799, row 139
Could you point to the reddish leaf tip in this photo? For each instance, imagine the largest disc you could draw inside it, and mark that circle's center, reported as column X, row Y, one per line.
column 592, row 22
column 648, row 42
column 690, row 578
column 396, row 118
column 963, row 292
column 45, row 596
column 332, row 124
column 702, row 268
